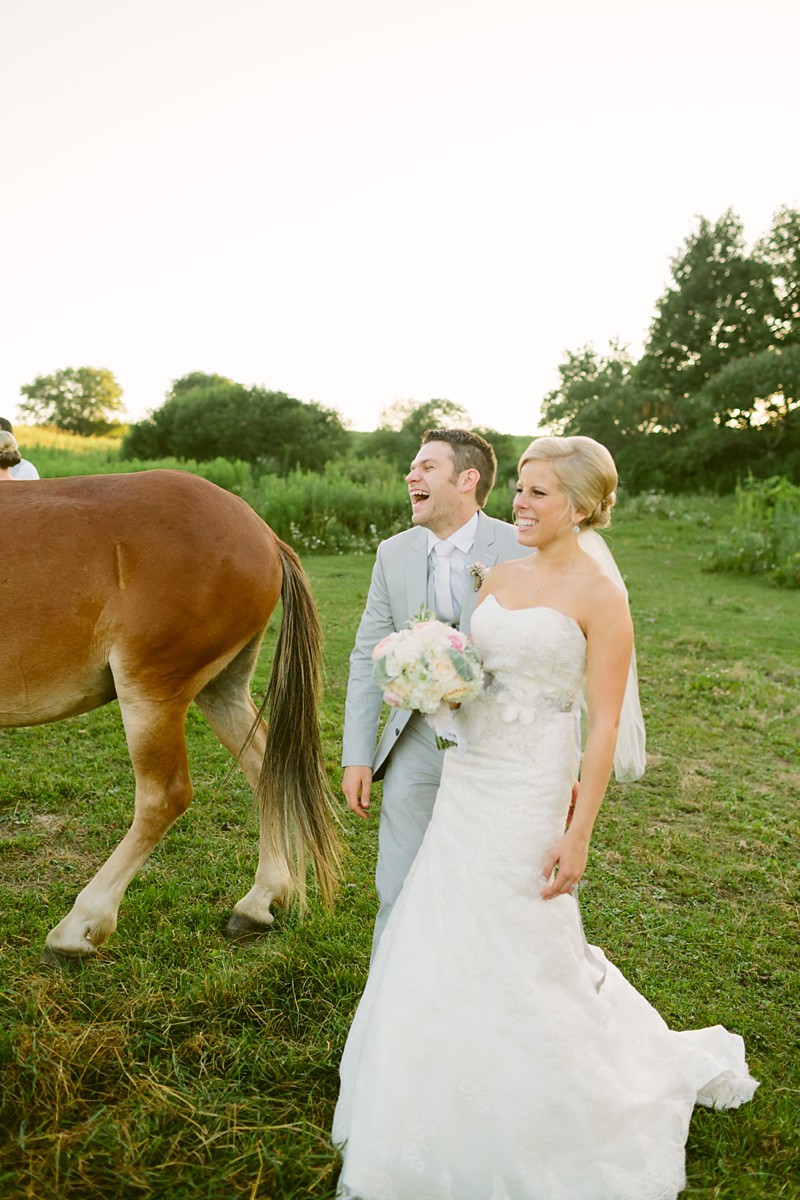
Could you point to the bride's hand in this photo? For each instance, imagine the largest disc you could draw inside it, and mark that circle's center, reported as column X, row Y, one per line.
column 569, row 855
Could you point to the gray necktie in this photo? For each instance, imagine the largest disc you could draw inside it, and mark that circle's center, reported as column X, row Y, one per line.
column 441, row 580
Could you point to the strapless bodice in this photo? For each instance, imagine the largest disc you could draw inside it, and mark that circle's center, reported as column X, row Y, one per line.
column 534, row 657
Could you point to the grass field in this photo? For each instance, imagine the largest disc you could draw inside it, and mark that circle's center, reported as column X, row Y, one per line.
column 180, row 1066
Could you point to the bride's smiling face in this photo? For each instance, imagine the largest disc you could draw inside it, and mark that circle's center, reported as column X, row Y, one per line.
column 542, row 512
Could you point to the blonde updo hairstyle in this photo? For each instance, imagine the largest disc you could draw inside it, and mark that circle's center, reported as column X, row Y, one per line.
column 9, row 450
column 586, row 475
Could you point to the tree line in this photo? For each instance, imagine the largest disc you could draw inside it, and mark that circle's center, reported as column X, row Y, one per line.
column 714, row 397
column 210, row 417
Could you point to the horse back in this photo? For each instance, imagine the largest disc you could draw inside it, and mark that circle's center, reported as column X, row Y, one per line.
column 160, row 572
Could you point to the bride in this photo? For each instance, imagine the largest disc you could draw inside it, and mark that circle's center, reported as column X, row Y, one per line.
column 494, row 1054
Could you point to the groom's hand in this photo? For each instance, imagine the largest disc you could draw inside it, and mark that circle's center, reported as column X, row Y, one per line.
column 356, row 784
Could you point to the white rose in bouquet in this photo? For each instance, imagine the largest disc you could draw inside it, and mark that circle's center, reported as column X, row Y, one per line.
column 427, row 667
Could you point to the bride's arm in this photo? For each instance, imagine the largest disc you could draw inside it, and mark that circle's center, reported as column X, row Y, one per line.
column 609, row 640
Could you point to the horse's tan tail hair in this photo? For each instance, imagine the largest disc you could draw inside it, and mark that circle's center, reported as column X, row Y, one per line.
column 293, row 792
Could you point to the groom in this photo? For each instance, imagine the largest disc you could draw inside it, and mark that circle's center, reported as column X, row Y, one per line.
column 423, row 567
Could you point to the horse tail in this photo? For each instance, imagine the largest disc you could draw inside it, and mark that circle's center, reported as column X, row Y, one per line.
column 293, row 792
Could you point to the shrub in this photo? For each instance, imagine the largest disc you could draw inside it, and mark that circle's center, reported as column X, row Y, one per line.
column 271, row 430
column 689, row 510
column 329, row 511
column 766, row 533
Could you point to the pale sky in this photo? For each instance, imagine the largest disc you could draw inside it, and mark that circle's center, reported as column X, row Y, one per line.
column 365, row 201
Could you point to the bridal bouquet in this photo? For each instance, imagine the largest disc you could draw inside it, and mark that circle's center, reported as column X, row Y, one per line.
column 427, row 667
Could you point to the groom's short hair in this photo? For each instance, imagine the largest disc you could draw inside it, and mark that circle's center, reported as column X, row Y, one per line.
column 470, row 452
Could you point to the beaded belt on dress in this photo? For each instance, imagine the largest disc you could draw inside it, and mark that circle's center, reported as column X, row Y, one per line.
column 518, row 704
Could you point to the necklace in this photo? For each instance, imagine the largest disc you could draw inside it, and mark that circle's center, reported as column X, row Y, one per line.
column 540, row 587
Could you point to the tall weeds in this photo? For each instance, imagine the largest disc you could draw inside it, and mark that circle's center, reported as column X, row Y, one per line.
column 765, row 536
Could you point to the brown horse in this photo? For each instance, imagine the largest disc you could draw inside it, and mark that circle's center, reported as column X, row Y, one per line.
column 155, row 589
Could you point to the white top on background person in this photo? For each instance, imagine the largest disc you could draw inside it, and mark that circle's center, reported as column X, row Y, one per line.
column 23, row 469
column 448, row 483
column 494, row 1052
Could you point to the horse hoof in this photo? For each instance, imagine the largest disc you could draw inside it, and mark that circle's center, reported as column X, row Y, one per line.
column 244, row 929
column 61, row 961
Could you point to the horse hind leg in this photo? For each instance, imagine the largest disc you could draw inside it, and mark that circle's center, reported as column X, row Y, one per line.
column 157, row 747
column 228, row 707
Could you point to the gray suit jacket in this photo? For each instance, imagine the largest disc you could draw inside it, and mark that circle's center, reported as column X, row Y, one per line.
column 399, row 589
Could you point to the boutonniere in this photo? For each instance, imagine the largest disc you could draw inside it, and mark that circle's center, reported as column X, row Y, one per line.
column 478, row 571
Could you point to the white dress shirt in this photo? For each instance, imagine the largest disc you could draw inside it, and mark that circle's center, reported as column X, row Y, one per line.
column 463, row 540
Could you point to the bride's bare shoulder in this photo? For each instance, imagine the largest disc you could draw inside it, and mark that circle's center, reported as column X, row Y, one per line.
column 605, row 606
column 598, row 587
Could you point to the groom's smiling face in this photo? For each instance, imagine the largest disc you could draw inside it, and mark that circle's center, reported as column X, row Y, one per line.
column 437, row 499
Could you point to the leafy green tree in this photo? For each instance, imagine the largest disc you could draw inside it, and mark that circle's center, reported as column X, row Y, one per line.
column 396, row 441
column 413, row 416
column 401, row 427
column 719, row 307
column 197, row 379
column 508, row 447
column 760, row 390
column 599, row 396
column 716, row 393
column 586, row 381
column 206, row 417
column 780, row 250
column 76, row 399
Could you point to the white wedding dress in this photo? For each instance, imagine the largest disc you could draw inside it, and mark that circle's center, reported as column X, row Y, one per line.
column 494, row 1055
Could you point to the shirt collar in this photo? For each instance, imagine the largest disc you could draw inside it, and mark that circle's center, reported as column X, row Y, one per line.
column 463, row 538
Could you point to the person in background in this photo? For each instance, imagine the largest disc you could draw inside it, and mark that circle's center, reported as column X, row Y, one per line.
column 9, row 456
column 448, row 483
column 23, row 469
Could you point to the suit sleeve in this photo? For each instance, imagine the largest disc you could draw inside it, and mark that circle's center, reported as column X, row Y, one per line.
column 363, row 704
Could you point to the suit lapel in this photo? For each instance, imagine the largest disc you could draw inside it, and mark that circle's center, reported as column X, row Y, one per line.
column 415, row 566
column 483, row 551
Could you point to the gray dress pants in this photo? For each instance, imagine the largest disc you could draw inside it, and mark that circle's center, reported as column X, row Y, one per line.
column 410, row 785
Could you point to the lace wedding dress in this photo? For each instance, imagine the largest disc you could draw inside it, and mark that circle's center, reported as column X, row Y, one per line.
column 494, row 1055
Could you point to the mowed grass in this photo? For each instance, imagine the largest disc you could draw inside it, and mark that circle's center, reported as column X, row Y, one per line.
column 177, row 1065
